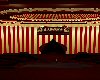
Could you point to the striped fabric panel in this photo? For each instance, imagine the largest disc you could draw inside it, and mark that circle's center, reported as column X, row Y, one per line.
column 24, row 39
column 81, row 39
column 16, row 39
column 45, row 39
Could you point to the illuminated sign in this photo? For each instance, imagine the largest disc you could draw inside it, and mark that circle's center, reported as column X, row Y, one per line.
column 53, row 30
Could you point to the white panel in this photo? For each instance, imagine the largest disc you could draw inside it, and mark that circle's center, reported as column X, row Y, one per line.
column 20, row 38
column 35, row 40
column 78, row 40
column 56, row 38
column 73, row 39
column 46, row 38
column 16, row 42
column 7, row 45
column 51, row 37
column 40, row 42
column 92, row 39
column 24, row 39
column 83, row 33
column 2, row 37
column 29, row 40
column 11, row 32
column 62, row 39
column 97, row 32
column 87, row 45
column 67, row 44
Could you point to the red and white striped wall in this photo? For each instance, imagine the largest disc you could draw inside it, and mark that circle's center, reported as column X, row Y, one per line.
column 25, row 39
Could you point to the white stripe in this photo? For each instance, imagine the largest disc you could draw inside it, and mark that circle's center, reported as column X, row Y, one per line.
column 35, row 40
column 40, row 42
column 16, row 43
column 83, row 39
column 67, row 44
column 87, row 45
column 46, row 38
column 73, row 39
column 20, row 38
column 29, row 40
column 2, row 37
column 24, row 39
column 11, row 32
column 56, row 38
column 78, row 40
column 62, row 39
column 7, row 45
column 97, row 32
column 92, row 39
column 51, row 37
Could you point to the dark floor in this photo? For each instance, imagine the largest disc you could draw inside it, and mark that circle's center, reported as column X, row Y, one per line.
column 46, row 68
column 51, row 72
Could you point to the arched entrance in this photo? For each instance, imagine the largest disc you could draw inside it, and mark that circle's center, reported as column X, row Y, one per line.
column 46, row 34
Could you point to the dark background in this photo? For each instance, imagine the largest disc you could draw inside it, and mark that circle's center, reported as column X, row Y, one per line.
column 51, row 1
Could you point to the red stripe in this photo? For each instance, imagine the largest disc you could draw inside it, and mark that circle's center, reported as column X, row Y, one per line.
column 0, row 42
column 81, row 30
column 43, row 39
column 90, row 29
column 22, row 39
column 99, row 41
column 85, row 39
column 18, row 39
column 9, row 39
column 94, row 44
column 32, row 40
column 59, row 38
column 70, row 41
column 38, row 44
column 14, row 39
column 65, row 40
column 4, row 29
column 27, row 39
column 54, row 37
column 75, row 51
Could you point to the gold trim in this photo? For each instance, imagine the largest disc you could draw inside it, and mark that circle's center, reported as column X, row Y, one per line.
column 49, row 9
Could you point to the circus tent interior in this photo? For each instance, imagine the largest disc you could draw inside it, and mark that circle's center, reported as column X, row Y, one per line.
column 21, row 26
column 19, row 31
column 29, row 29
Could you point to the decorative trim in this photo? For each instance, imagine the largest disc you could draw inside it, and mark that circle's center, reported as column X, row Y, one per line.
column 48, row 9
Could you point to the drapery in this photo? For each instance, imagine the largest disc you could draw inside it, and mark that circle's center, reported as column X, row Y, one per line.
column 21, row 39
